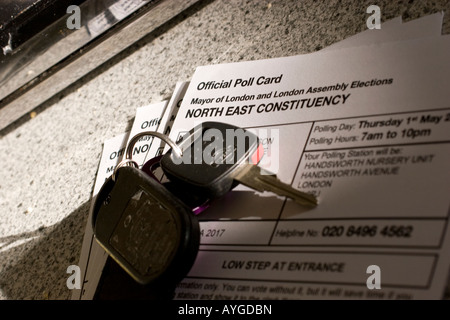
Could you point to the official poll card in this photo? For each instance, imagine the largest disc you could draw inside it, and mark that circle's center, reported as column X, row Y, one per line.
column 366, row 130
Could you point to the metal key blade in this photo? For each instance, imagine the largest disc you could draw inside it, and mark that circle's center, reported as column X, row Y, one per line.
column 250, row 175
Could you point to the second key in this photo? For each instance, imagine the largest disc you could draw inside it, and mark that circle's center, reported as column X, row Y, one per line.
column 217, row 157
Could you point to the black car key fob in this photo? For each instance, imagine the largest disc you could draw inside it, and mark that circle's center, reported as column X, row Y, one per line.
column 212, row 151
column 151, row 234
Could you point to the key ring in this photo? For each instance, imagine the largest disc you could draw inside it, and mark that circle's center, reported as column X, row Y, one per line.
column 128, row 153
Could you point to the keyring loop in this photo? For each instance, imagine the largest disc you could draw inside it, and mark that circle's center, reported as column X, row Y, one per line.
column 125, row 162
column 163, row 137
column 129, row 152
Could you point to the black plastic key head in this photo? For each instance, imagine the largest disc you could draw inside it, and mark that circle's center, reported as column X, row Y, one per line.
column 212, row 151
column 146, row 229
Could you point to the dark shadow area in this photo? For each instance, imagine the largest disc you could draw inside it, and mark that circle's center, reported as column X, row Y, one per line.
column 116, row 284
column 248, row 205
column 37, row 269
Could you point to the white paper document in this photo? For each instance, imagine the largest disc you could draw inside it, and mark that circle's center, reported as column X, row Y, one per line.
column 367, row 130
column 364, row 125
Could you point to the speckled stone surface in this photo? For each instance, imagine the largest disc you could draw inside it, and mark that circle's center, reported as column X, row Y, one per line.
column 49, row 162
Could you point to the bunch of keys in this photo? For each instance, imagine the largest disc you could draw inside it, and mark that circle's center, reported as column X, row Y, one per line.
column 149, row 228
